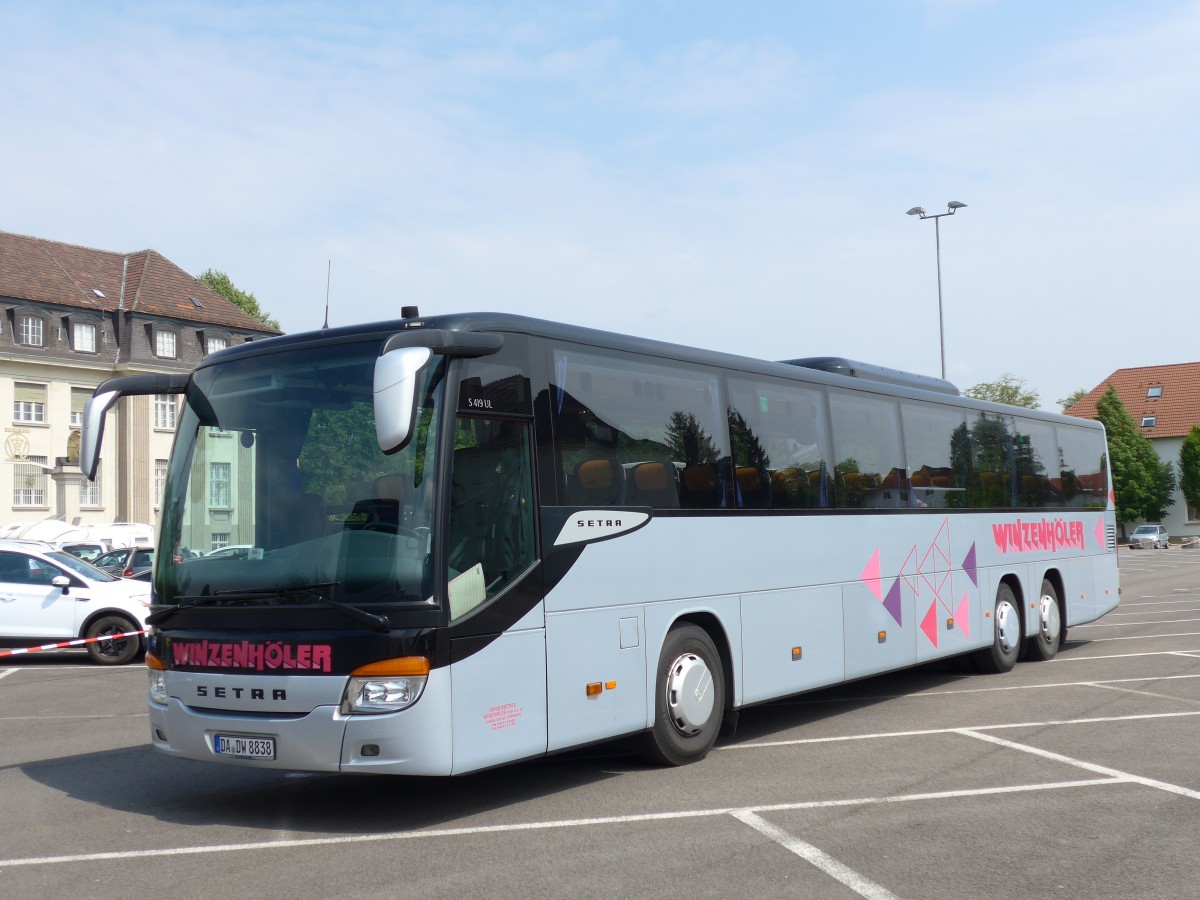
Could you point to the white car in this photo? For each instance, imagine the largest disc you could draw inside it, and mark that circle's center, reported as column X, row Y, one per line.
column 1149, row 536
column 50, row 596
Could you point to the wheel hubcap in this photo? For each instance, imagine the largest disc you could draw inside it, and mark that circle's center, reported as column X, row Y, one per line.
column 1051, row 624
column 1007, row 626
column 689, row 694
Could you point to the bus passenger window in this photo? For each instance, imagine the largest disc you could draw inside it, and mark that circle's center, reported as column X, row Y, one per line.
column 632, row 432
column 781, row 445
column 491, row 540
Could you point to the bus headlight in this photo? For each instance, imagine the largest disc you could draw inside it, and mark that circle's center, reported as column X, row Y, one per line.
column 386, row 686
column 158, row 679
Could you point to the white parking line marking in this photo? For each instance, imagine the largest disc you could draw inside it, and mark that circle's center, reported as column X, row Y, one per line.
column 923, row 732
column 8, row 672
column 1137, row 637
column 554, row 824
column 1125, row 690
column 1131, row 624
column 1087, row 766
column 857, row 882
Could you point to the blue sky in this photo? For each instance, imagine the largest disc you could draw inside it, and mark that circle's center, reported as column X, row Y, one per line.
column 732, row 176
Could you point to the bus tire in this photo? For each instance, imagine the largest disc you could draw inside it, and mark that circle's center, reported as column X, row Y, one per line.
column 115, row 651
column 1044, row 645
column 1006, row 645
column 689, row 701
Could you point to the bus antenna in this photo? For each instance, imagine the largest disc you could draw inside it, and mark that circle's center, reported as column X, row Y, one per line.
column 328, row 278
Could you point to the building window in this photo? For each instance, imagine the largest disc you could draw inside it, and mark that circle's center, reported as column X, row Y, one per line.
column 1149, row 421
column 79, row 399
column 160, row 480
column 164, row 344
column 217, row 343
column 29, row 402
column 83, row 337
column 29, row 482
column 164, row 411
column 30, row 331
column 220, row 539
column 1154, row 392
column 89, row 492
column 218, row 485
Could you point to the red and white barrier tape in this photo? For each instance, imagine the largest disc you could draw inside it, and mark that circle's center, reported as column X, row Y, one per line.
column 63, row 644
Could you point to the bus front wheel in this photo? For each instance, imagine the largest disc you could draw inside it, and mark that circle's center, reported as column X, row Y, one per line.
column 689, row 699
column 1006, row 645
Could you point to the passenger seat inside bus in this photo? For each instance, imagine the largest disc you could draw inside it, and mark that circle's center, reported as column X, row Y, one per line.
column 597, row 482
column 654, row 484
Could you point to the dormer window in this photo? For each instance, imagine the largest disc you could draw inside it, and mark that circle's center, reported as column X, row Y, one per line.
column 1154, row 392
column 31, row 331
column 216, row 342
column 164, row 344
column 1149, row 421
column 83, row 337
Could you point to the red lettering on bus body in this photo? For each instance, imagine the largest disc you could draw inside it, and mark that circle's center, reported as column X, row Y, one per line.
column 245, row 655
column 1046, row 534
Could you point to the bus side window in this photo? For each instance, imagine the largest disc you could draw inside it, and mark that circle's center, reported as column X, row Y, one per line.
column 491, row 539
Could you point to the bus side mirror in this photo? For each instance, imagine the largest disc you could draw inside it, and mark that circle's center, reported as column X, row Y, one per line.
column 108, row 393
column 93, row 431
column 396, row 386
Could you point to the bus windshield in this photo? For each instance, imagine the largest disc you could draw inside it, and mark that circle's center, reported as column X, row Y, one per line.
column 277, row 487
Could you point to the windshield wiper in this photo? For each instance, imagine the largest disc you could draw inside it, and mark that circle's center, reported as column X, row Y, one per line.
column 192, row 602
column 378, row 622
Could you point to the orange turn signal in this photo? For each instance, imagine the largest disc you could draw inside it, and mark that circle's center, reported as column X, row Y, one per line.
column 401, row 665
column 153, row 662
column 594, row 689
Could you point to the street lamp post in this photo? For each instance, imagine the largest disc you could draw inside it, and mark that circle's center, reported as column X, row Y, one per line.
column 951, row 207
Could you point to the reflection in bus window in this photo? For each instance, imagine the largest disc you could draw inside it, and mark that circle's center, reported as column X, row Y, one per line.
column 635, row 433
column 781, row 448
column 937, row 474
column 866, row 438
column 1083, row 468
column 491, row 539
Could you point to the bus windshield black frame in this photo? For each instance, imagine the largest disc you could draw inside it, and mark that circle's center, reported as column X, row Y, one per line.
column 281, row 447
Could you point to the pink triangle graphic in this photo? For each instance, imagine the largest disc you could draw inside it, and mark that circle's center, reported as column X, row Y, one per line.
column 962, row 617
column 1100, row 533
column 870, row 576
column 929, row 624
column 892, row 602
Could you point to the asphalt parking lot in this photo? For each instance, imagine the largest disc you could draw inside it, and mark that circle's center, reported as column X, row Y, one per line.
column 1077, row 777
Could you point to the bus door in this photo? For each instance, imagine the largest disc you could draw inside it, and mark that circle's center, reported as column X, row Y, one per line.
column 497, row 621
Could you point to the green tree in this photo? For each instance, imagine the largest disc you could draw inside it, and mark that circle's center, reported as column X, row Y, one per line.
column 1072, row 398
column 1008, row 388
column 1143, row 484
column 1189, row 467
column 223, row 285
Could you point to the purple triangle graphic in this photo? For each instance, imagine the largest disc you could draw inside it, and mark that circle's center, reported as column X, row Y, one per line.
column 892, row 601
column 970, row 568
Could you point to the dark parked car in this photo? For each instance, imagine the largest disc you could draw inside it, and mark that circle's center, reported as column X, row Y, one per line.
column 124, row 561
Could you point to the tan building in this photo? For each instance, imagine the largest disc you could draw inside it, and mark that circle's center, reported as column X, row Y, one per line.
column 1165, row 402
column 71, row 317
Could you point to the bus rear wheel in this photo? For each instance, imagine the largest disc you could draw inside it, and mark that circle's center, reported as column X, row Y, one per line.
column 1006, row 645
column 689, row 699
column 1044, row 645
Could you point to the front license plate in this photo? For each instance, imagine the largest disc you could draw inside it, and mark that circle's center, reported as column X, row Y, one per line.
column 244, row 746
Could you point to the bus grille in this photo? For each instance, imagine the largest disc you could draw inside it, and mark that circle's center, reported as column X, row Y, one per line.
column 1110, row 534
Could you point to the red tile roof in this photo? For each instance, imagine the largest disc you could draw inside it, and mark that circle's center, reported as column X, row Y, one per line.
column 67, row 275
column 1175, row 411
